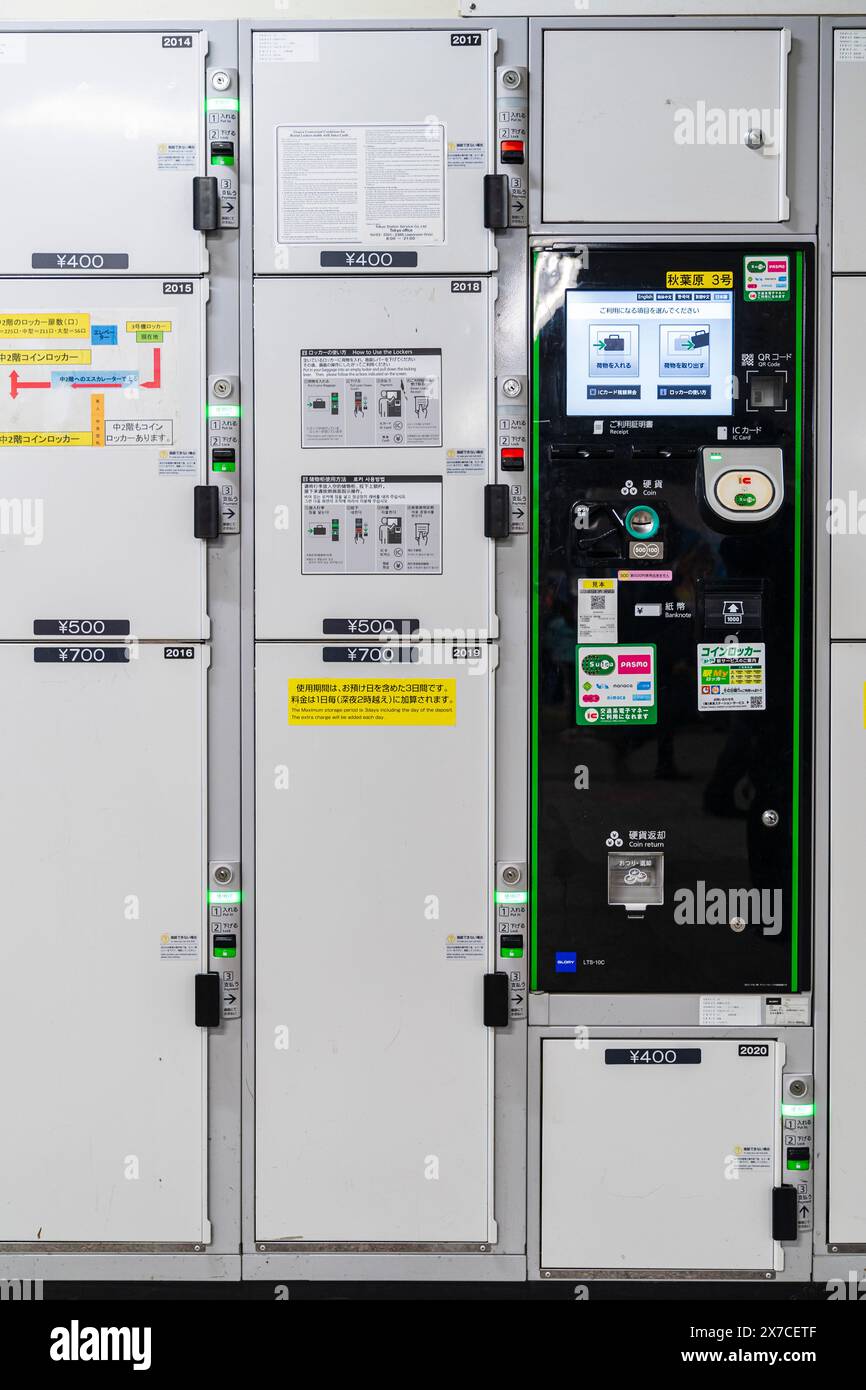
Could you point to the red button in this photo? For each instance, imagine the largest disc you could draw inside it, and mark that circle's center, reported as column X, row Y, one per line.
column 512, row 460
column 511, row 151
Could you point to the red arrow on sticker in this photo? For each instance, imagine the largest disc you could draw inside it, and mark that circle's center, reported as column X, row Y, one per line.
column 157, row 372
column 18, row 385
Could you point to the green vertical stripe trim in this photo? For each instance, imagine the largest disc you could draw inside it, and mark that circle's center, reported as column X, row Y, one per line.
column 535, row 693
column 798, row 541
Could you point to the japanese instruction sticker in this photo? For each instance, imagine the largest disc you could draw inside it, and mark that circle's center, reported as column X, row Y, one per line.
column 430, row 701
column 596, row 610
column 731, row 676
column 371, row 525
column 371, row 398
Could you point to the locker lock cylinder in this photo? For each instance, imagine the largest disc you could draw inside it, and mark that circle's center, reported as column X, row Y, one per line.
column 223, row 874
column 221, row 387
column 220, row 80
column 511, row 874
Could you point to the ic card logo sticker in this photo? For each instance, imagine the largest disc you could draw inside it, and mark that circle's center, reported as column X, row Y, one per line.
column 616, row 684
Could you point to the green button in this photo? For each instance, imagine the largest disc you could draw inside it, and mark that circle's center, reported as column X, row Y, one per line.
column 800, row 1164
column 745, row 499
column 512, row 952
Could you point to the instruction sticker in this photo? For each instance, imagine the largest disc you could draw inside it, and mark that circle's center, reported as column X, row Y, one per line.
column 850, row 45
column 466, row 154
column 731, row 676
column 362, row 184
column 766, row 277
column 749, row 1157
column 277, row 47
column 371, row 398
column 175, row 946
column 596, row 610
column 44, row 325
column 463, row 946
column 431, row 701
column 616, row 685
column 176, row 156
column 371, row 525
column 177, row 463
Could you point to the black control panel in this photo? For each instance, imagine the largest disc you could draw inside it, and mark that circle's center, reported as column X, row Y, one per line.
column 671, row 619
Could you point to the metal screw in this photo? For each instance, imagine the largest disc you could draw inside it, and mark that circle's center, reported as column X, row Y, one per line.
column 222, row 387
column 511, row 387
column 754, row 139
column 223, row 874
column 482, row 1248
column 261, row 1247
column 220, row 80
column 510, row 78
column 737, row 924
column 768, row 1274
column 834, row 1249
column 196, row 1247
column 770, row 818
column 546, row 1273
column 511, row 874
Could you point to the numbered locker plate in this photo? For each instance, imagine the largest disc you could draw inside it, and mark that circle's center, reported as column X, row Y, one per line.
column 370, row 150
column 101, row 446
column 373, row 424
column 373, row 1065
column 102, row 824
column 104, row 135
column 658, row 1153
column 626, row 134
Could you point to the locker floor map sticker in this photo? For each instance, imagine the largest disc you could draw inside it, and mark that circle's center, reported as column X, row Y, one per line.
column 732, row 676
column 93, row 381
column 371, row 525
column 431, row 701
column 370, row 398
column 370, row 185
column 616, row 685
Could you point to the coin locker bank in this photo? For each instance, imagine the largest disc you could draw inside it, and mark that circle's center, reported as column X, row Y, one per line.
column 432, row 647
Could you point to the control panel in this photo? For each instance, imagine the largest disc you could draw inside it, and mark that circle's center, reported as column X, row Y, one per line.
column 670, row 634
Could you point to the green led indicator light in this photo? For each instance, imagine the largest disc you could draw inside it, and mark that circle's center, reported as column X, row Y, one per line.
column 512, row 952
column 512, row 898
column 223, row 159
column 793, row 1111
column 222, row 104
column 223, row 467
column 223, row 897
column 715, row 458
column 223, row 412
column 224, row 952
column 798, row 1164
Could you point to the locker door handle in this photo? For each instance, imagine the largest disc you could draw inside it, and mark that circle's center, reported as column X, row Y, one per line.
column 205, row 204
column 496, row 202
column 206, row 521
column 207, row 1000
column 497, row 511
column 785, row 1212
column 496, row 1000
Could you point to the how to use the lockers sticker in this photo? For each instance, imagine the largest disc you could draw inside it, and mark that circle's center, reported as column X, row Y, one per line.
column 616, row 684
column 370, row 185
column 430, row 700
column 371, row 398
column 732, row 676
column 371, row 525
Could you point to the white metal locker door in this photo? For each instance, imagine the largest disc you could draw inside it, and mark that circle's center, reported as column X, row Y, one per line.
column 371, row 149
column 373, row 433
column 651, row 125
column 849, row 117
column 847, row 1176
column 373, row 893
column 101, row 446
column 848, row 459
column 658, row 1153
column 103, row 137
column 102, row 1085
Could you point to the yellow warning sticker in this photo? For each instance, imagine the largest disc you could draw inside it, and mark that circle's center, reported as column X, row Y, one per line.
column 146, row 326
column 45, row 439
column 428, row 701
column 44, row 325
column 597, row 585
column 699, row 279
column 45, row 357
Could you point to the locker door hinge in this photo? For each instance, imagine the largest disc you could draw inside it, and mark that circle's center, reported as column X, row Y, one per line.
column 496, row 202
column 207, row 1000
column 785, row 1212
column 497, row 511
column 496, row 1000
column 206, row 523
column 205, row 203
